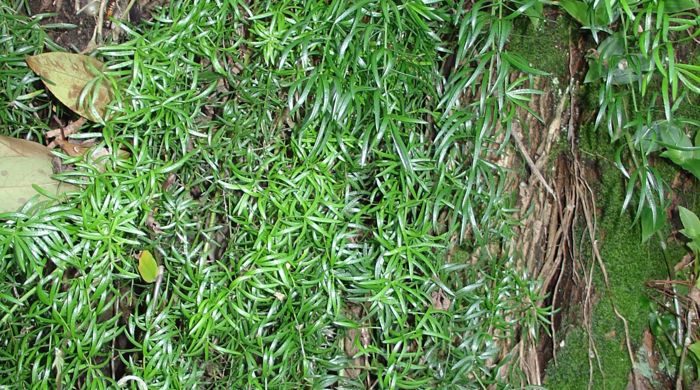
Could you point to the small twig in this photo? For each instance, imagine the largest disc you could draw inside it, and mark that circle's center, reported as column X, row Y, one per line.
column 65, row 131
column 62, row 132
column 101, row 19
column 97, row 32
column 684, row 352
column 128, row 7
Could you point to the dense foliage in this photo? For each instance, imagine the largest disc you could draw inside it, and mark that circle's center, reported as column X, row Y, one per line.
column 299, row 169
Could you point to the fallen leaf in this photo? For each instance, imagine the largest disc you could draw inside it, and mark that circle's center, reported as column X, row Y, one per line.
column 440, row 301
column 70, row 148
column 280, row 296
column 23, row 164
column 169, row 181
column 148, row 268
column 152, row 224
column 74, row 79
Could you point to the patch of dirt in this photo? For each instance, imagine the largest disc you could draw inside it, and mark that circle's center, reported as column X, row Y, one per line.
column 91, row 19
column 74, row 39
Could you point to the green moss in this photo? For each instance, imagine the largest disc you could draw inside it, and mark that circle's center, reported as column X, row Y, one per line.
column 629, row 265
column 545, row 46
column 689, row 108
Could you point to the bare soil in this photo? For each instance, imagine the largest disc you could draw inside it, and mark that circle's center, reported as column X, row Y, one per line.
column 74, row 39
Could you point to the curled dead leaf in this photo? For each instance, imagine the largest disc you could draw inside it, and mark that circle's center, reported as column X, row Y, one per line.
column 440, row 301
column 280, row 296
column 152, row 224
column 169, row 181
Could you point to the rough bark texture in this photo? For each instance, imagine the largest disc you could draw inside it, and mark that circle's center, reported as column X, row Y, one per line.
column 548, row 201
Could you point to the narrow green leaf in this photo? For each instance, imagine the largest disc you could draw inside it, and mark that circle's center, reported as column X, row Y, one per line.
column 519, row 63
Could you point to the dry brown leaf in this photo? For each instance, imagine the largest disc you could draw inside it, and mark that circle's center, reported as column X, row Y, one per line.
column 76, row 81
column 23, row 164
column 440, row 301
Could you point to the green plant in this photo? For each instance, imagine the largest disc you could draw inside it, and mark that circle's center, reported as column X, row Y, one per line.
column 642, row 79
column 298, row 168
column 691, row 228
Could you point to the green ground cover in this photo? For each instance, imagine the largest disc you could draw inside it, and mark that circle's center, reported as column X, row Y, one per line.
column 303, row 171
column 298, row 170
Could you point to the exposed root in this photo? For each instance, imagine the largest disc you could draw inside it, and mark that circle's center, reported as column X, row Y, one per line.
column 589, row 207
column 519, row 142
column 547, row 240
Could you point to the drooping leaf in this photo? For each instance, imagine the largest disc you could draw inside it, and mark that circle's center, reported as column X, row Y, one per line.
column 148, row 268
column 694, row 349
column 576, row 9
column 535, row 13
column 23, row 164
column 692, row 166
column 76, row 80
column 580, row 11
column 519, row 63
column 650, row 223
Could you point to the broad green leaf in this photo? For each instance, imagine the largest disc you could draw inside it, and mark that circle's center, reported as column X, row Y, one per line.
column 24, row 164
column 673, row 136
column 76, row 80
column 148, row 268
column 645, row 139
column 692, row 166
column 577, row 10
column 676, row 6
column 694, row 348
column 677, row 156
column 612, row 46
column 691, row 223
column 595, row 71
column 694, row 246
